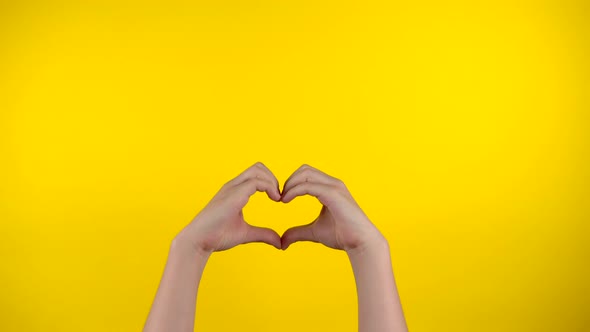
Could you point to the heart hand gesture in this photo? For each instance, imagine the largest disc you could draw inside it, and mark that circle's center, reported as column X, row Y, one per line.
column 341, row 223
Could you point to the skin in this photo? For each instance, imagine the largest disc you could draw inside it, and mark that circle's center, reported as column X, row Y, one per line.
column 340, row 225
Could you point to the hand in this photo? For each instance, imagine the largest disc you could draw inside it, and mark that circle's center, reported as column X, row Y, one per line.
column 221, row 225
column 341, row 223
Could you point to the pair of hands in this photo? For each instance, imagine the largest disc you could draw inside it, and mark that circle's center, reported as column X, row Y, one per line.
column 341, row 223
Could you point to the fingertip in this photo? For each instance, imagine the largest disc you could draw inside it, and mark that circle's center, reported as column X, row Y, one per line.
column 285, row 242
column 274, row 243
column 283, row 247
column 277, row 242
column 274, row 196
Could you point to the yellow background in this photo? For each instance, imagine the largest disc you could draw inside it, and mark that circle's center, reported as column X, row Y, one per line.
column 460, row 127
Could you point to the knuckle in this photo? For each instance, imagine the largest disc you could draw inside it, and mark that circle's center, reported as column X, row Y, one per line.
column 257, row 173
column 306, row 173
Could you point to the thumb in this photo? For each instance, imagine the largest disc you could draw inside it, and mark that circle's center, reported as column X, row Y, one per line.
column 296, row 234
column 264, row 235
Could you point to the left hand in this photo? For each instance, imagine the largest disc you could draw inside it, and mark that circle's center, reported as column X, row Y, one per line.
column 341, row 224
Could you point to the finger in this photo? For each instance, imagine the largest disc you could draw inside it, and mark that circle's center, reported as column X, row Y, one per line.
column 307, row 173
column 296, row 234
column 247, row 188
column 269, row 173
column 326, row 194
column 258, row 170
column 290, row 179
column 264, row 235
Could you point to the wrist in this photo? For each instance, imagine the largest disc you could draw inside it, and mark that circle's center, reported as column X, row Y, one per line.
column 184, row 246
column 373, row 244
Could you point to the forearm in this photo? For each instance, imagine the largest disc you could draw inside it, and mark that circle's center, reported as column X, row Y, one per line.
column 379, row 307
column 173, row 308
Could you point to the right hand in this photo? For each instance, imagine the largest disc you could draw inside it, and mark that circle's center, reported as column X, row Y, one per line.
column 221, row 225
column 341, row 223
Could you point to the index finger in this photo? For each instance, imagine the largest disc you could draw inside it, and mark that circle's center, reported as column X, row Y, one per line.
column 326, row 194
column 249, row 187
column 306, row 173
column 257, row 170
column 270, row 173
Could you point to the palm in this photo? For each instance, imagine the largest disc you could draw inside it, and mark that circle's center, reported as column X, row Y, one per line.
column 325, row 229
column 234, row 233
